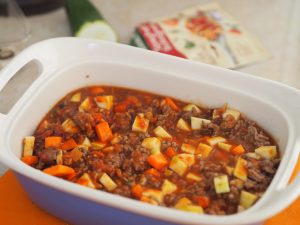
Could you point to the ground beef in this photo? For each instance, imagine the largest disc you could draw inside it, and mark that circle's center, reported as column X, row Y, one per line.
column 121, row 121
column 85, row 122
column 48, row 156
column 139, row 158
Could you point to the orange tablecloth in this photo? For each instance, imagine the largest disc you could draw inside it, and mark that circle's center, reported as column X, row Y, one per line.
column 16, row 207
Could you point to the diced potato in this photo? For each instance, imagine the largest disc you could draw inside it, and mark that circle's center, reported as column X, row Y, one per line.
column 194, row 177
column 247, row 199
column 240, row 170
column 267, row 152
column 215, row 140
column 85, row 105
column 76, row 97
column 183, row 125
column 107, row 182
column 189, row 159
column 28, row 145
column 161, row 132
column 229, row 170
column 221, row 184
column 224, row 146
column 191, row 208
column 97, row 145
column 253, row 155
column 153, row 144
column 168, row 187
column 196, row 123
column 148, row 200
column 188, row 148
column 178, row 166
column 183, row 202
column 105, row 101
column 87, row 177
column 140, row 123
column 59, row 158
column 190, row 107
column 234, row 113
column 69, row 126
column 86, row 142
column 204, row 150
column 153, row 194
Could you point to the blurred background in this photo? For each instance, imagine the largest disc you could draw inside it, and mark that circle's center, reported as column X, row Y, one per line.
column 275, row 23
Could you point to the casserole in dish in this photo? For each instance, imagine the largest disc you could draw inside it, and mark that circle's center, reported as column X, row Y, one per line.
column 71, row 63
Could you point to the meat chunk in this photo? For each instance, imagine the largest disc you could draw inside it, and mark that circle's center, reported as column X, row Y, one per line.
column 85, row 122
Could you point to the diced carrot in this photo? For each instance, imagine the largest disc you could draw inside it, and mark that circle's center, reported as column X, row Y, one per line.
column 137, row 190
column 238, row 150
column 221, row 155
column 171, row 103
column 59, row 171
column 203, row 201
column 53, row 141
column 83, row 182
column 153, row 172
column 69, row 144
column 132, row 100
column 71, row 176
column 158, row 161
column 96, row 90
column 104, row 132
column 30, row 160
column 170, row 152
column 122, row 107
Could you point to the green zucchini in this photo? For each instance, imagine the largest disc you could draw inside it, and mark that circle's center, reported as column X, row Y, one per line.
column 86, row 21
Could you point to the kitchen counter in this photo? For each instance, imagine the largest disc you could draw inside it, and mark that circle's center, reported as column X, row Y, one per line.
column 274, row 22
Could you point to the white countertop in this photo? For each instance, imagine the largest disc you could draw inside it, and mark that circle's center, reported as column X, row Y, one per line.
column 276, row 23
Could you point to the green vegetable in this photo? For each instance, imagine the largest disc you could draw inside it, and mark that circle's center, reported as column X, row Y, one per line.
column 86, row 21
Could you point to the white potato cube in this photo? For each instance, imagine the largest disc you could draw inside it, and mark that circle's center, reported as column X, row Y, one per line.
column 76, row 97
column 253, row 155
column 189, row 159
column 86, row 142
column 98, row 145
column 234, row 113
column 221, row 184
column 153, row 194
column 140, row 123
column 107, row 182
column 28, row 145
column 196, row 123
column 190, row 107
column 161, row 132
column 59, row 157
column 240, row 170
column 247, row 199
column 86, row 105
column 191, row 208
column 183, row 125
column 204, row 150
column 224, row 146
column 168, row 187
column 183, row 202
column 267, row 152
column 69, row 126
column 215, row 140
column 178, row 166
column 153, row 144
column 188, row 148
column 105, row 101
column 87, row 177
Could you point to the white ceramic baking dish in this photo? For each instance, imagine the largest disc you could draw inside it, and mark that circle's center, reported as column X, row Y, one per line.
column 69, row 63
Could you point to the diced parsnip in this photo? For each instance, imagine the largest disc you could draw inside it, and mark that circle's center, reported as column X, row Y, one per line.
column 183, row 202
column 234, row 113
column 28, row 145
column 161, row 132
column 196, row 123
column 140, row 123
column 247, row 199
column 191, row 208
column 221, row 184
column 267, row 152
column 153, row 144
column 190, row 107
column 107, row 182
column 178, row 166
column 87, row 177
column 240, row 170
column 215, row 140
column 188, row 148
column 69, row 126
column 59, row 158
column 194, row 177
column 204, row 150
column 168, row 187
column 253, row 155
column 189, row 159
column 224, row 146
column 183, row 125
column 105, row 101
column 97, row 145
column 76, row 97
column 86, row 142
column 85, row 105
column 153, row 194
column 229, row 170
